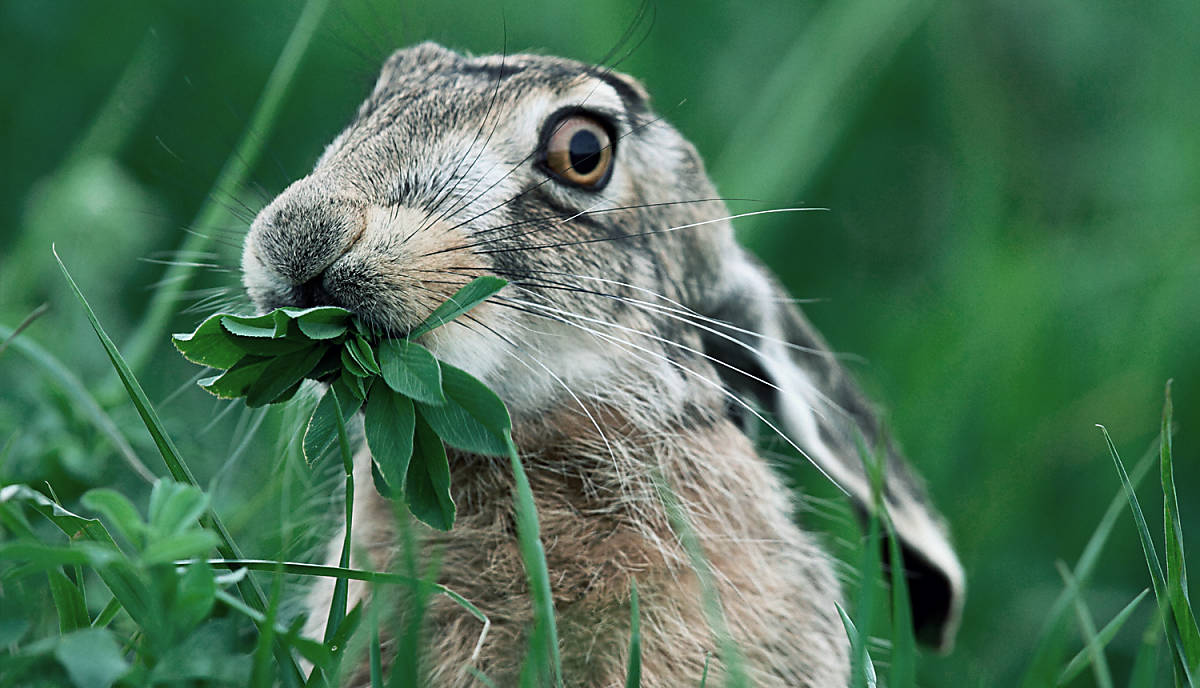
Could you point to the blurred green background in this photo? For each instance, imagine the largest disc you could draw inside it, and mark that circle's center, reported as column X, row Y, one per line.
column 1012, row 245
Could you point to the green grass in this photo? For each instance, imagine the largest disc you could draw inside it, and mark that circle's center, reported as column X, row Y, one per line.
column 1011, row 244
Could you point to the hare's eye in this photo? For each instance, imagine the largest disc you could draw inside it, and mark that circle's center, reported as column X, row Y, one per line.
column 578, row 151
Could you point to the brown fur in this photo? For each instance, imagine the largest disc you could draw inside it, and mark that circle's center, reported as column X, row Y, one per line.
column 600, row 535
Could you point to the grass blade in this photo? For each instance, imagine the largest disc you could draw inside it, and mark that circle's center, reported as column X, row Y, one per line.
column 730, row 654
column 1051, row 646
column 294, row 568
column 903, row 672
column 1152, row 562
column 869, row 678
column 175, row 464
column 1177, row 585
column 475, row 292
column 534, row 558
column 1087, row 625
column 68, row 601
column 337, row 607
column 633, row 675
column 1080, row 661
column 1145, row 664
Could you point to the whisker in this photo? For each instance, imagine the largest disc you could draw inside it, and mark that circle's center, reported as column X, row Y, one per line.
column 560, row 221
column 719, row 387
column 677, row 228
column 439, row 199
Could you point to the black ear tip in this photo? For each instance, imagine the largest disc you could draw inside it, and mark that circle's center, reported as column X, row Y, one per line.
column 933, row 599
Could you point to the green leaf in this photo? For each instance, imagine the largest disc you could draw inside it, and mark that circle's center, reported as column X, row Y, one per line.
column 351, row 364
column 321, row 322
column 209, row 344
column 473, row 418
column 265, row 325
column 185, row 545
column 280, row 375
column 360, row 350
column 68, row 601
column 197, row 593
column 474, row 293
column 207, row 656
column 272, row 347
column 321, row 432
column 234, row 382
column 175, row 507
column 411, row 370
column 37, row 555
column 427, row 488
column 91, row 657
column 389, row 424
column 119, row 512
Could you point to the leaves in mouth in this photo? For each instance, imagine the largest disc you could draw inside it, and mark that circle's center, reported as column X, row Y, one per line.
column 420, row 406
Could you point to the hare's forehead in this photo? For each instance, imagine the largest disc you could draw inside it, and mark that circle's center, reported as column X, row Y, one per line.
column 478, row 135
column 515, row 115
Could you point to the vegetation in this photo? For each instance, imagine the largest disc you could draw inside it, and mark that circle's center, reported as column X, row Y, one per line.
column 1011, row 243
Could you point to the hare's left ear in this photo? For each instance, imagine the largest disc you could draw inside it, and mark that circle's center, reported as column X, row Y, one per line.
column 823, row 412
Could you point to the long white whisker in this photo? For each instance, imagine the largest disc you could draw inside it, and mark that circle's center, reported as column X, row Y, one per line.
column 697, row 352
column 719, row 387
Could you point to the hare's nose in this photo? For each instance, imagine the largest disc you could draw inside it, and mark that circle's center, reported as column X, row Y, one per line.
column 304, row 230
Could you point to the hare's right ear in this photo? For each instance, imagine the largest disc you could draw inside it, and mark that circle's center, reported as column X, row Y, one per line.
column 805, row 387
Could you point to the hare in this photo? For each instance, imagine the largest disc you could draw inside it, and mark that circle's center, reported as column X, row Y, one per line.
column 631, row 344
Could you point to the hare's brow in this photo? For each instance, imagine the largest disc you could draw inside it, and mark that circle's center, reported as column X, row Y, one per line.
column 630, row 98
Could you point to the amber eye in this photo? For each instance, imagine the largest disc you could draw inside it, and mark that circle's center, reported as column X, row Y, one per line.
column 579, row 151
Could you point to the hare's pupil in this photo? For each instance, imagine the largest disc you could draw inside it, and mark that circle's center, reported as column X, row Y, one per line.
column 585, row 152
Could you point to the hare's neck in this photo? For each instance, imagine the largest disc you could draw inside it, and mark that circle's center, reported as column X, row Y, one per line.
column 612, row 509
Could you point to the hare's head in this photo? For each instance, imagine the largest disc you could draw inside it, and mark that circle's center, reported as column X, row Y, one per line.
column 622, row 268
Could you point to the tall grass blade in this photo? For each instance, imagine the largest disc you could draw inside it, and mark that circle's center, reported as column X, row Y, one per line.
column 337, row 608
column 232, row 176
column 903, row 671
column 374, row 651
column 8, row 335
column 867, row 675
column 869, row 572
column 68, row 602
column 1084, row 657
column 174, row 461
column 633, row 675
column 1177, row 585
column 1043, row 667
column 261, row 675
column 730, row 654
column 1145, row 664
column 545, row 630
column 1087, row 625
column 1153, row 563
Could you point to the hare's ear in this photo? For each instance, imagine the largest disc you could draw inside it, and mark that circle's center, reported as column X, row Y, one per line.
column 820, row 408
